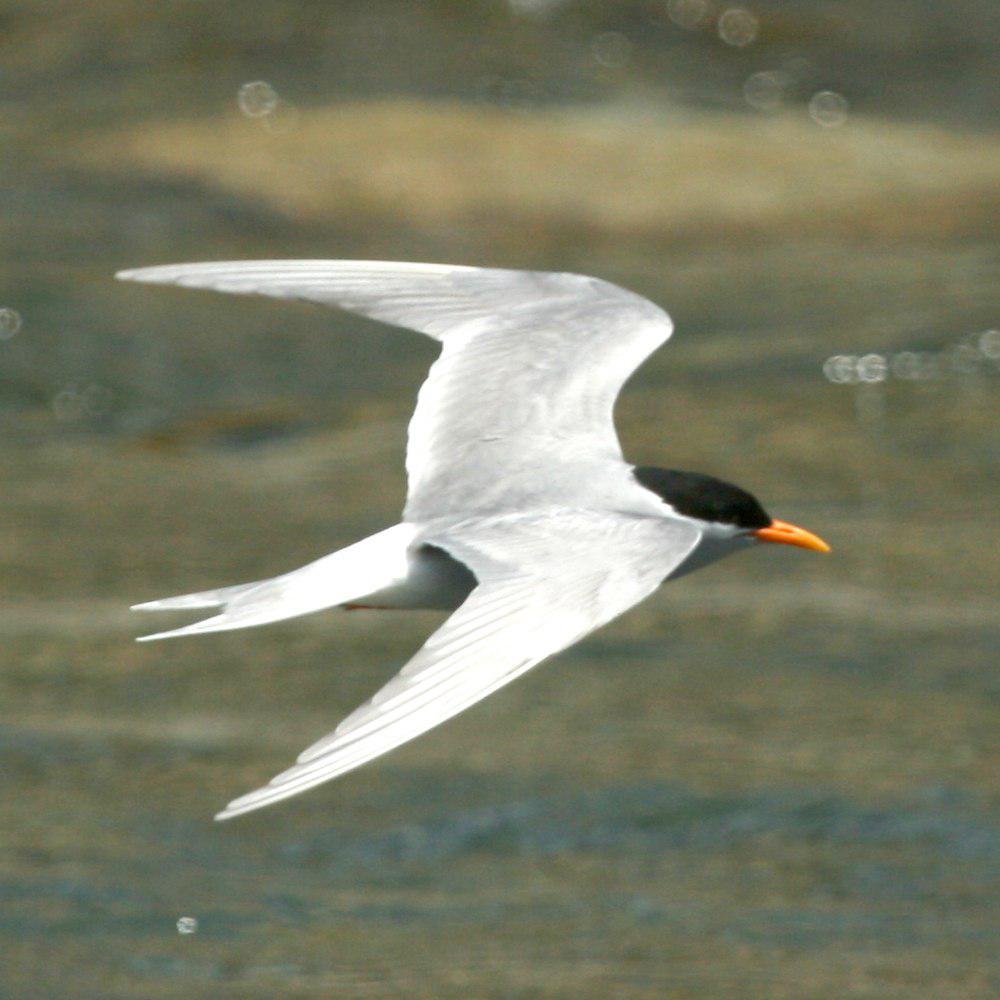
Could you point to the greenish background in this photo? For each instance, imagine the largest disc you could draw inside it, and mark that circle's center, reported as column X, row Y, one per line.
column 776, row 778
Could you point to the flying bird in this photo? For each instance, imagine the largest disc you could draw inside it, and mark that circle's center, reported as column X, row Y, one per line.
column 522, row 516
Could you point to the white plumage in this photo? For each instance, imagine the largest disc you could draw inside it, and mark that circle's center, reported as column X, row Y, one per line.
column 521, row 511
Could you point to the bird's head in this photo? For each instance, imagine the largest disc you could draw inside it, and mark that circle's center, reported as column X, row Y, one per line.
column 730, row 512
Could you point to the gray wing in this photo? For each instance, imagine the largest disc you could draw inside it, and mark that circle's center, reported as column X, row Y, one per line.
column 544, row 583
column 530, row 367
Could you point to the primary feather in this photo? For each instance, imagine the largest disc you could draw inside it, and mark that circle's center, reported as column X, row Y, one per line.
column 530, row 367
column 544, row 583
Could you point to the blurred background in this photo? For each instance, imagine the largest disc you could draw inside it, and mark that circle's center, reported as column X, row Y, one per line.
column 775, row 778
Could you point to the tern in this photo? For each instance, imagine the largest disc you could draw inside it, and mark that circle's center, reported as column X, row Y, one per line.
column 522, row 516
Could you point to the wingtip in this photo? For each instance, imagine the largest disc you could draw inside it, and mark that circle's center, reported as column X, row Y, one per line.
column 184, row 603
column 169, row 634
column 236, row 808
column 158, row 274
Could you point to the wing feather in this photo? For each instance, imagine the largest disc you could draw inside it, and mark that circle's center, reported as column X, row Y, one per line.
column 573, row 574
column 530, row 368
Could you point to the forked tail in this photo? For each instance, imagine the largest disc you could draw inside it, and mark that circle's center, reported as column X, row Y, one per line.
column 351, row 574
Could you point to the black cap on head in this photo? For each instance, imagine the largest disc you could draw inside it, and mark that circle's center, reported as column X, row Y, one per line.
column 704, row 497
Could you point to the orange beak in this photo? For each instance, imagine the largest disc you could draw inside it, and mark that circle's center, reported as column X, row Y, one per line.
column 789, row 534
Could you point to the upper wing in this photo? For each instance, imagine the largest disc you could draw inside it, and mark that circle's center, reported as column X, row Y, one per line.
column 530, row 368
column 544, row 583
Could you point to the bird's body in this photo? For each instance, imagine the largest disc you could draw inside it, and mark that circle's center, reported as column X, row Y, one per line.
column 522, row 515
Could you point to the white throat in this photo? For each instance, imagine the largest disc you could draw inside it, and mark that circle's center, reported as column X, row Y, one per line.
column 717, row 541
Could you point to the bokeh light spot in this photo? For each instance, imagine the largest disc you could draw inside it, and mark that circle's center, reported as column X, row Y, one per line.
column 67, row 405
column 841, row 368
column 765, row 91
column 690, row 14
column 964, row 359
column 611, row 49
column 534, row 8
column 10, row 323
column 872, row 368
column 257, row 99
column 828, row 108
column 75, row 403
column 989, row 344
column 737, row 27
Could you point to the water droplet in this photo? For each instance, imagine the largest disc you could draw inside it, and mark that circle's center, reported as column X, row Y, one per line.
column 989, row 344
column 611, row 49
column 187, row 925
column 828, row 108
column 257, row 99
column 690, row 14
column 872, row 368
column 10, row 323
column 765, row 91
column 737, row 27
